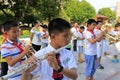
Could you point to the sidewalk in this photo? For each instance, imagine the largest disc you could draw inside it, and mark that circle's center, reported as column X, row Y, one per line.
column 111, row 70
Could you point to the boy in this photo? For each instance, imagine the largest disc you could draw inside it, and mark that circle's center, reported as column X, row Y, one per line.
column 64, row 64
column 115, row 33
column 90, row 50
column 97, row 31
column 80, row 44
column 75, row 31
column 45, row 36
column 12, row 49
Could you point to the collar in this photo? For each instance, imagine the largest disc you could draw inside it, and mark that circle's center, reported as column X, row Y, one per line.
column 11, row 42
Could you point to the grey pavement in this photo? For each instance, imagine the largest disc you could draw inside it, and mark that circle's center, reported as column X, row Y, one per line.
column 111, row 70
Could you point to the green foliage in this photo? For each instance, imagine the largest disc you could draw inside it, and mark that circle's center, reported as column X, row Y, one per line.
column 25, row 33
column 80, row 11
column 63, row 14
column 107, row 12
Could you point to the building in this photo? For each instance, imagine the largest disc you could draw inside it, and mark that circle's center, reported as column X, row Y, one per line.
column 117, row 10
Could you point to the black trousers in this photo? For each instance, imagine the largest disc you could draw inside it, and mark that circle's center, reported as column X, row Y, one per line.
column 4, row 68
column 75, row 45
column 36, row 47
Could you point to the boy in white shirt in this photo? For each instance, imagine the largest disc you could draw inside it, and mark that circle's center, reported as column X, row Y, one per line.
column 12, row 49
column 115, row 52
column 80, row 44
column 64, row 66
column 97, row 31
column 90, row 50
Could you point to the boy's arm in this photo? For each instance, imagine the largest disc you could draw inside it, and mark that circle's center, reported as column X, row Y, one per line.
column 92, row 41
column 12, row 61
column 71, row 73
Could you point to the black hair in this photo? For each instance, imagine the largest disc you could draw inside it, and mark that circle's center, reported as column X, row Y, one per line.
column 117, row 25
column 44, row 26
column 58, row 25
column 97, row 22
column 82, row 27
column 8, row 24
column 90, row 21
column 35, row 22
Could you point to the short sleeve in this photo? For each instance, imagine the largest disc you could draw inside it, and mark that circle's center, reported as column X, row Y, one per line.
column 5, row 51
column 72, row 62
column 88, row 35
column 32, row 31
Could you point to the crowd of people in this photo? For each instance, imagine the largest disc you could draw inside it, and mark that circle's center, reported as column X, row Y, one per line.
column 89, row 41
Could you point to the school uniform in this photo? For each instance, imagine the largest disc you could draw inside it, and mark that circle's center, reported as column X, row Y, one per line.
column 90, row 55
column 9, row 49
column 80, row 43
column 74, row 37
column 66, row 58
column 99, row 44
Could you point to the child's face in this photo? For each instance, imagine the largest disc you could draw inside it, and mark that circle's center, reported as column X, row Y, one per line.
column 118, row 28
column 99, row 24
column 92, row 26
column 63, row 38
column 13, row 33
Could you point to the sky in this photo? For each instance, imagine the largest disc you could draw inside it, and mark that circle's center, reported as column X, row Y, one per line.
column 97, row 4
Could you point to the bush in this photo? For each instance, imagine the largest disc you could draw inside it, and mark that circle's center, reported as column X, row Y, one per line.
column 25, row 33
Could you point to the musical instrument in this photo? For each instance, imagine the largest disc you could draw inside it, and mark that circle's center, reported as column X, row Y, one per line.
column 112, row 39
column 24, row 67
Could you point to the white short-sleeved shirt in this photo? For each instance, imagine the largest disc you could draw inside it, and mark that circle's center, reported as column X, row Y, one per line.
column 97, row 33
column 45, row 40
column 36, row 35
column 75, row 32
column 80, row 42
column 8, row 49
column 66, row 58
column 90, row 48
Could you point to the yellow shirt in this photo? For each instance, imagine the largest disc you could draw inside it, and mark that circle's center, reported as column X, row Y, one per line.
column 1, row 41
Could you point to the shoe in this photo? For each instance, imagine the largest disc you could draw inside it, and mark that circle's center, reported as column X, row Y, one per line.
column 115, row 60
column 100, row 66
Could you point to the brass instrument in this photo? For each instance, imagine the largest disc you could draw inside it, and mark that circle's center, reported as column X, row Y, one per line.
column 112, row 39
column 31, row 52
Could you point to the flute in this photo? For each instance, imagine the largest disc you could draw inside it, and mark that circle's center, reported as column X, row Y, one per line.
column 24, row 67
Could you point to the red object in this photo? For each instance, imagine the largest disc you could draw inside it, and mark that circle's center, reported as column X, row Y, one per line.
column 91, row 31
column 98, row 28
column 19, row 47
column 57, row 75
column 5, row 37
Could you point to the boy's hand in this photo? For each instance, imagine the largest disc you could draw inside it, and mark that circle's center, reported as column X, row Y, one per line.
column 27, row 48
column 52, row 60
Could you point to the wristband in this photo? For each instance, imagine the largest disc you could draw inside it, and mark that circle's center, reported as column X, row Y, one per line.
column 61, row 68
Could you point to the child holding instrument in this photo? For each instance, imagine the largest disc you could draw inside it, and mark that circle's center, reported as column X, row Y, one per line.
column 12, row 49
column 60, row 66
column 90, row 50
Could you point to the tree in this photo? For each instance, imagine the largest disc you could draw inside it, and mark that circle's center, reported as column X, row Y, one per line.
column 107, row 12
column 79, row 11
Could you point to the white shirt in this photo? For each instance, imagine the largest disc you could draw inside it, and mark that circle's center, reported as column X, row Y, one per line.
column 8, row 49
column 36, row 35
column 80, row 42
column 66, row 58
column 75, row 32
column 97, row 33
column 45, row 40
column 90, row 48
